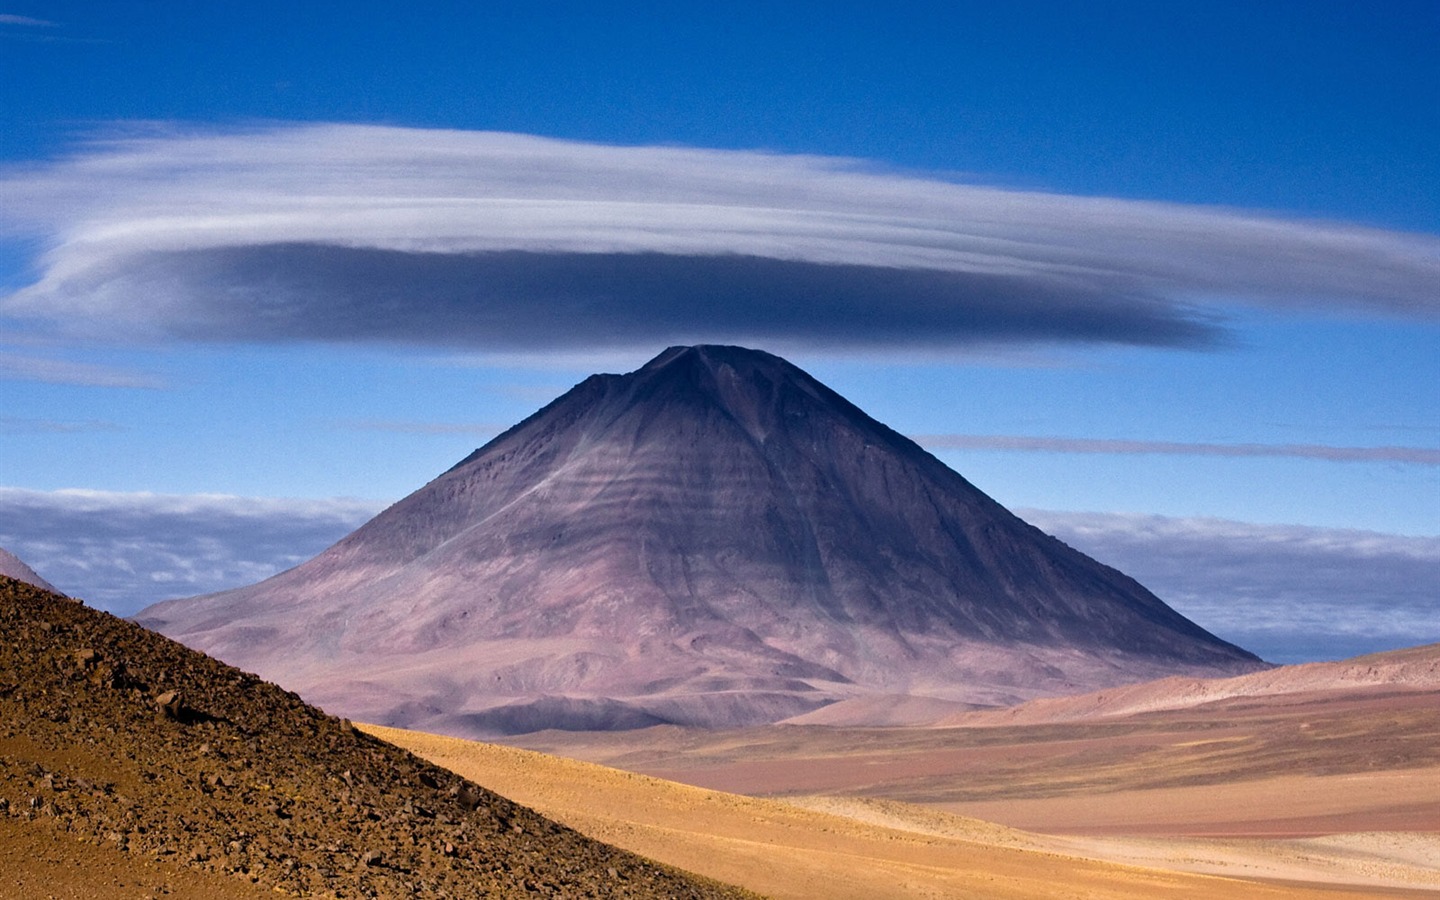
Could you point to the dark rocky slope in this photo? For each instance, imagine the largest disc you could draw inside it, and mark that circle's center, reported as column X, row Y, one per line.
column 714, row 539
column 121, row 738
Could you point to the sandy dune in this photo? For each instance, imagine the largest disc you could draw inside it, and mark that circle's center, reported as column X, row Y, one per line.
column 868, row 848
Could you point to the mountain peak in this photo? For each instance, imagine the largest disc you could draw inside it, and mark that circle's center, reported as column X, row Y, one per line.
column 758, row 390
column 713, row 357
column 713, row 539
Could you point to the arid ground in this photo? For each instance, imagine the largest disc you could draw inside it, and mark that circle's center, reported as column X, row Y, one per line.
column 131, row 766
column 1293, row 766
column 1308, row 794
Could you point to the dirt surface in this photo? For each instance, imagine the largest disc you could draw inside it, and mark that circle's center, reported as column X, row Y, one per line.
column 37, row 861
column 1377, row 861
column 1410, row 669
column 847, row 847
column 1303, row 764
column 130, row 765
column 1281, row 806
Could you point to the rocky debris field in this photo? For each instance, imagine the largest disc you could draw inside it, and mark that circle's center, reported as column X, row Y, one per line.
column 124, row 739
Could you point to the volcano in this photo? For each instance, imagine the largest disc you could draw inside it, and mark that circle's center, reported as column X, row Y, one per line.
column 715, row 539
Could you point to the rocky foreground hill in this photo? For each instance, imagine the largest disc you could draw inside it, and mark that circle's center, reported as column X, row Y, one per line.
column 120, row 738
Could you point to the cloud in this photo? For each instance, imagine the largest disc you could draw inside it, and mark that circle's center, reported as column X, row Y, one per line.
column 16, row 367
column 10, row 19
column 1420, row 456
column 503, row 242
column 1288, row 592
column 123, row 551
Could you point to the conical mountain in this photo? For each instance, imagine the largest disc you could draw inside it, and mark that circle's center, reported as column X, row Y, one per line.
column 714, row 539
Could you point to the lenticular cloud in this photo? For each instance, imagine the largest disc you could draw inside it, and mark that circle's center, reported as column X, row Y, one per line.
column 362, row 233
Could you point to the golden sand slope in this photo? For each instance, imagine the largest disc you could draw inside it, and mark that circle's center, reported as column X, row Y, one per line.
column 827, row 848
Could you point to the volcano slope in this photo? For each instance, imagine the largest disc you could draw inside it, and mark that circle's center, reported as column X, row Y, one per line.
column 715, row 539
column 150, row 765
column 11, row 566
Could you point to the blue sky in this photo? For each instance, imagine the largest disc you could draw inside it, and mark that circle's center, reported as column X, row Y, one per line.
column 1121, row 259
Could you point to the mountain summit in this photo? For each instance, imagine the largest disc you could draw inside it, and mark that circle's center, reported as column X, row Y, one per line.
column 714, row 539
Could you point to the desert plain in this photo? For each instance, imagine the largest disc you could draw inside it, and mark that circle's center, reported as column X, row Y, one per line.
column 1331, row 792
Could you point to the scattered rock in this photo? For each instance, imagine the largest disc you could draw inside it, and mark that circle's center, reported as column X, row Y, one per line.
column 105, row 675
column 258, row 786
column 169, row 703
column 468, row 797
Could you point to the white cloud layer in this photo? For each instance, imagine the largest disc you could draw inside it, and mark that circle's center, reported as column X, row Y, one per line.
column 1288, row 592
column 123, row 551
column 503, row 241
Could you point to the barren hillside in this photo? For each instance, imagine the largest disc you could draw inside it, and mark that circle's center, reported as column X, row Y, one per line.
column 138, row 748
